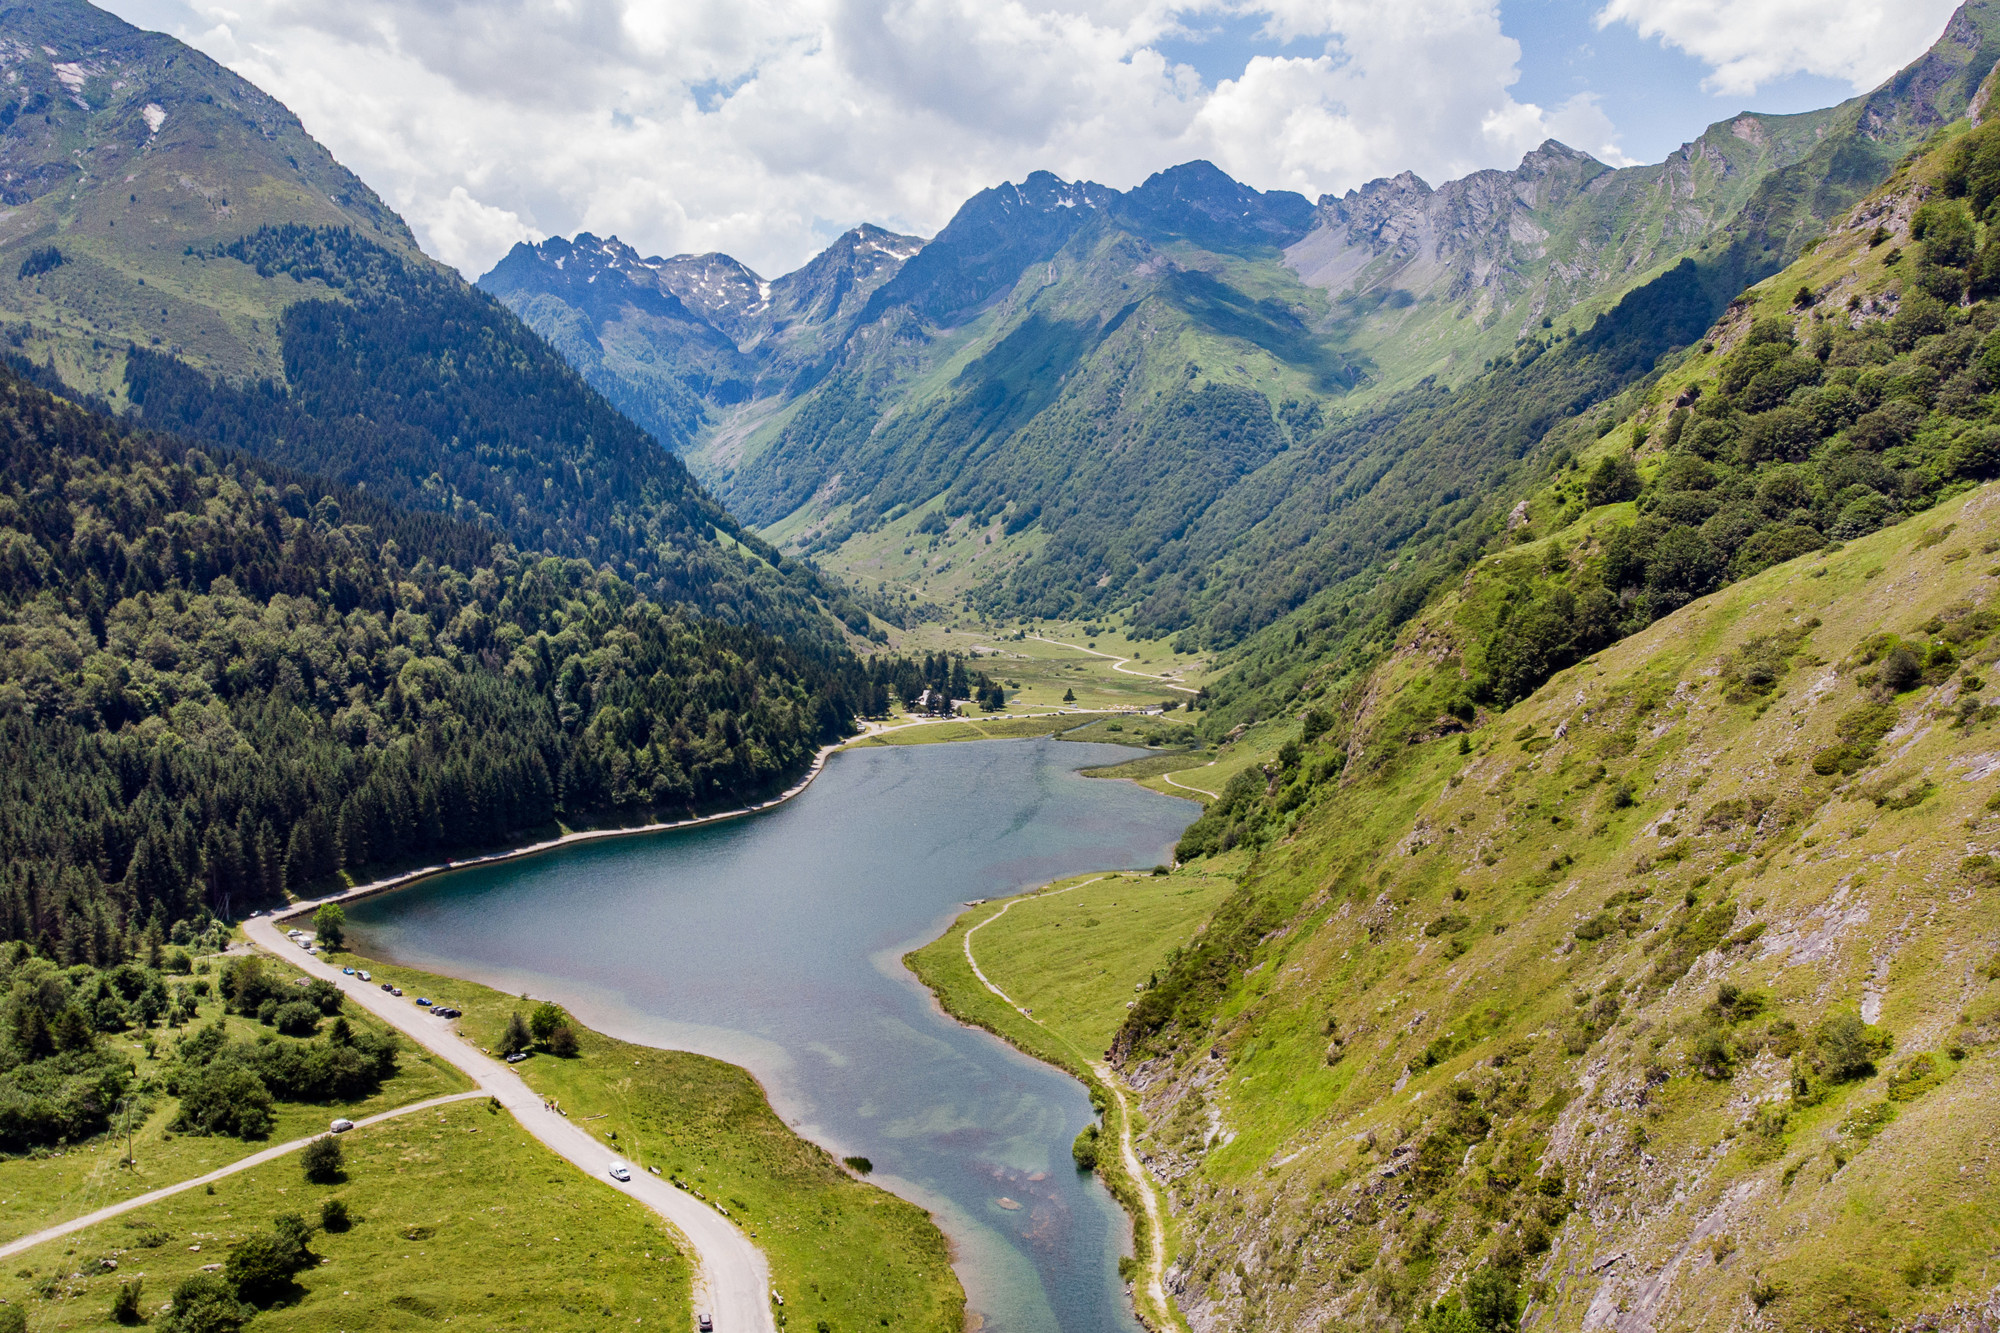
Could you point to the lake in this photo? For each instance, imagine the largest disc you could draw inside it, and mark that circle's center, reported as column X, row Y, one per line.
column 775, row 942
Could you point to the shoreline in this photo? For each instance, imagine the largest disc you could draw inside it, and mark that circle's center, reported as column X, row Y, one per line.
column 374, row 888
column 1131, row 1193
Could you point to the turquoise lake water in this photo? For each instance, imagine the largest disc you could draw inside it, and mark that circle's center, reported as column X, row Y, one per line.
column 775, row 942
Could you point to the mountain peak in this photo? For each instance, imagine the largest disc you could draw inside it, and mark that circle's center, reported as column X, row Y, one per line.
column 1204, row 204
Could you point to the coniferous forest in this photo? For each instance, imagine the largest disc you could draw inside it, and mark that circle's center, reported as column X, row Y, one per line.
column 219, row 681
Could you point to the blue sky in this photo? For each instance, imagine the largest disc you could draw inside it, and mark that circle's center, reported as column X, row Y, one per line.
column 1651, row 92
column 762, row 129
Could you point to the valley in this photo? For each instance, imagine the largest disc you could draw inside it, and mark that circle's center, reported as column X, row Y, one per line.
column 1184, row 756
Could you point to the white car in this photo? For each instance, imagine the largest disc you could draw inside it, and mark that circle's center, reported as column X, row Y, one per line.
column 620, row 1171
column 364, row 976
column 341, row 1126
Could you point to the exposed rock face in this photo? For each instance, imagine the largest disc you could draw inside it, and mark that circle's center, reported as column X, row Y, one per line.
column 661, row 336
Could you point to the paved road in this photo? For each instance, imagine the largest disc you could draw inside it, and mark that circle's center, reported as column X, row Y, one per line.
column 733, row 1280
column 29, row 1242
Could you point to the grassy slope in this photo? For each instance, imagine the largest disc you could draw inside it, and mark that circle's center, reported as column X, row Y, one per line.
column 840, row 1249
column 460, row 1215
column 1280, row 1160
column 86, row 1176
column 225, row 160
column 1077, row 983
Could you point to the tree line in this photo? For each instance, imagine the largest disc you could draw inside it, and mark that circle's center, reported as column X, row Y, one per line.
column 216, row 687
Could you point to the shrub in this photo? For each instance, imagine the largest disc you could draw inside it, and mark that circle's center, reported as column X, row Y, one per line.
column 300, row 1018
column 562, row 1042
column 325, row 996
column 125, row 1305
column 224, row 1098
column 333, row 1215
column 262, row 1265
column 203, row 1303
column 1614, row 479
column 323, row 1160
column 1084, row 1149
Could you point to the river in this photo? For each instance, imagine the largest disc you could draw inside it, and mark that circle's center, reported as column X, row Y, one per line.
column 775, row 942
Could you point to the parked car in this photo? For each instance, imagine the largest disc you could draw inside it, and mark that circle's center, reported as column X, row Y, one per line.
column 704, row 1323
column 341, row 1126
column 386, row 986
column 517, row 1057
column 396, row 990
column 424, row 1001
column 347, row 971
column 444, row 1011
column 364, row 976
column 620, row 1171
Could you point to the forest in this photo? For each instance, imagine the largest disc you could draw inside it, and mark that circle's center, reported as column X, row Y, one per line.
column 219, row 683
column 434, row 396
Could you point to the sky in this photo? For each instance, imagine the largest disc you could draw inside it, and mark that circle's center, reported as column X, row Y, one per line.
column 765, row 128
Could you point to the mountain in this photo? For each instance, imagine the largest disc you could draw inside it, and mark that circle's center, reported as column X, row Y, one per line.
column 219, row 679
column 1201, row 406
column 177, row 247
column 121, row 149
column 667, row 340
column 1612, row 943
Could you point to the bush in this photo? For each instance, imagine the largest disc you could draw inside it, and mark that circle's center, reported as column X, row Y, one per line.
column 300, row 1018
column 125, row 1305
column 562, row 1041
column 1613, row 479
column 262, row 1265
column 223, row 1098
column 203, row 1303
column 324, row 996
column 323, row 1160
column 1084, row 1149
column 333, row 1215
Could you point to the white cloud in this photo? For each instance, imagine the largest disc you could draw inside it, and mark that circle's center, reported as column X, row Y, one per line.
column 762, row 126
column 1749, row 43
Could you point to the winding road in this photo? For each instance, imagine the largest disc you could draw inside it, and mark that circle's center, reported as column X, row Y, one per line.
column 732, row 1280
column 1117, row 664
column 271, row 1154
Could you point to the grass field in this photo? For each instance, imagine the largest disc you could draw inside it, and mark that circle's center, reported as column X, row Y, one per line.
column 459, row 1216
column 841, row 1250
column 986, row 728
column 38, row 1190
column 1071, row 954
column 1039, row 671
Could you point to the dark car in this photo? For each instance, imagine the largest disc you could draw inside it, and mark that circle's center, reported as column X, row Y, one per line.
column 386, row 986
column 704, row 1323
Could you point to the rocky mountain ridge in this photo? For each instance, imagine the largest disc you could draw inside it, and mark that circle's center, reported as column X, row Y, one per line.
column 980, row 382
